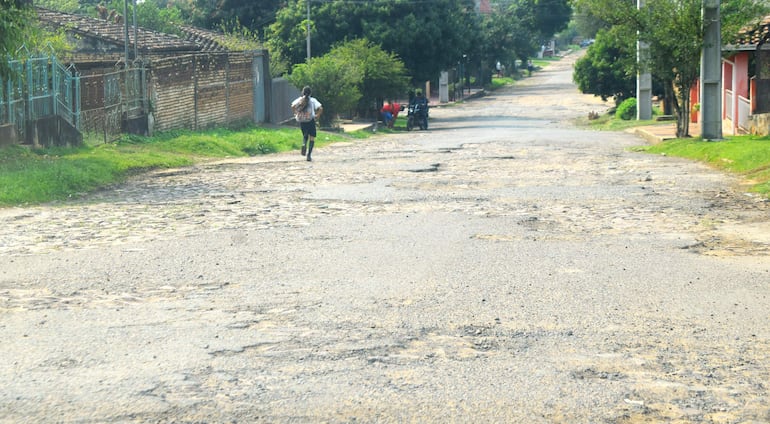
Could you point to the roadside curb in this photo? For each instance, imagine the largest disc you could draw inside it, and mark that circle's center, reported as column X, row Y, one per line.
column 655, row 134
column 647, row 135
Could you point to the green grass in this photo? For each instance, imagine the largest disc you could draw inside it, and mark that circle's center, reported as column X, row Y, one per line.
column 42, row 175
column 497, row 83
column 609, row 122
column 747, row 156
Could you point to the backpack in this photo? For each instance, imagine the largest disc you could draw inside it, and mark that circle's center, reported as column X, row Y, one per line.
column 302, row 111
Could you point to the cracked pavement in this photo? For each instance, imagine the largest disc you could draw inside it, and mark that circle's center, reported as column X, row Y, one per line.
column 503, row 266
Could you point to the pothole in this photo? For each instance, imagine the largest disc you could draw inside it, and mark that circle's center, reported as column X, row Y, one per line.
column 431, row 168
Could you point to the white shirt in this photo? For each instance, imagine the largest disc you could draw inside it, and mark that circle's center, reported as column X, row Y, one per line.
column 313, row 103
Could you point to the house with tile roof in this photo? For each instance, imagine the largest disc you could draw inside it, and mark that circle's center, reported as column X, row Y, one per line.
column 145, row 80
column 745, row 82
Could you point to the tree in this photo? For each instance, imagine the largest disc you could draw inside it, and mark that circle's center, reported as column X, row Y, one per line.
column 334, row 83
column 508, row 34
column 16, row 19
column 211, row 14
column 353, row 75
column 518, row 28
column 608, row 68
column 551, row 16
column 68, row 6
column 428, row 37
column 150, row 15
column 384, row 75
column 19, row 27
column 674, row 32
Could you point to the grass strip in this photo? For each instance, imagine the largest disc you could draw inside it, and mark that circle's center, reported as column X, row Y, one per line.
column 747, row 156
column 32, row 176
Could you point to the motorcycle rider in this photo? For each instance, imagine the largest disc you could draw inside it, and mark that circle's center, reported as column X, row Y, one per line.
column 422, row 101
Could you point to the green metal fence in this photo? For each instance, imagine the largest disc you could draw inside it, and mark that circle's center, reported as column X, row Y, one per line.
column 39, row 86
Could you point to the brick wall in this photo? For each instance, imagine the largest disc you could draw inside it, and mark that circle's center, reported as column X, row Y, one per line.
column 200, row 91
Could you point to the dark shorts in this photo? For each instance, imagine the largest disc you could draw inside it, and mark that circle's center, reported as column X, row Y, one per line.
column 308, row 128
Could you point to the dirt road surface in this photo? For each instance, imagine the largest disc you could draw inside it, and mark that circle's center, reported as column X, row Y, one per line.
column 501, row 267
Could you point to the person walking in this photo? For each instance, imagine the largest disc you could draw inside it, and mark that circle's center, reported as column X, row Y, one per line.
column 306, row 110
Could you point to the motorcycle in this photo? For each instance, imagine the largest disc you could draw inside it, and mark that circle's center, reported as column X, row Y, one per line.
column 417, row 113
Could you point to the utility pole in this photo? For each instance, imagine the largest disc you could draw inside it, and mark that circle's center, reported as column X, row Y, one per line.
column 711, row 73
column 136, row 38
column 308, row 29
column 643, row 78
column 125, row 26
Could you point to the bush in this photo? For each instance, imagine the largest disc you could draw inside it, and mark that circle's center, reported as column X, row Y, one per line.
column 627, row 110
column 353, row 76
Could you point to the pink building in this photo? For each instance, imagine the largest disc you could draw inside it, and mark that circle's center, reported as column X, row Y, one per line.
column 746, row 81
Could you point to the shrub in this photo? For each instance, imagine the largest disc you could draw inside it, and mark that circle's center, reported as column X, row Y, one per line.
column 627, row 110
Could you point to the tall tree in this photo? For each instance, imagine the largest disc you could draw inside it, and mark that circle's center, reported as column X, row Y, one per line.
column 608, row 68
column 428, row 37
column 551, row 16
column 353, row 77
column 674, row 32
column 16, row 20
column 518, row 28
column 383, row 74
column 68, row 6
column 254, row 15
column 508, row 34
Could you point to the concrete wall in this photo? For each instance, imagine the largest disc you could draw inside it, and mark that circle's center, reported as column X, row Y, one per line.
column 283, row 94
column 50, row 131
column 759, row 124
column 8, row 135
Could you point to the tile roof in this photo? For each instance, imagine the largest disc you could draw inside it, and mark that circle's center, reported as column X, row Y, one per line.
column 113, row 33
column 756, row 34
column 207, row 40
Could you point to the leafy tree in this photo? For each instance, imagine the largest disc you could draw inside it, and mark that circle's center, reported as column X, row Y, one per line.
column 674, row 32
column 427, row 37
column 68, row 6
column 507, row 34
column 355, row 75
column 551, row 16
column 517, row 28
column 19, row 27
column 254, row 15
column 384, row 75
column 15, row 19
column 608, row 69
column 586, row 23
column 336, row 84
column 149, row 14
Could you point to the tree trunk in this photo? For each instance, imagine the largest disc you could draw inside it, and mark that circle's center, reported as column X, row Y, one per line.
column 670, row 99
column 683, row 112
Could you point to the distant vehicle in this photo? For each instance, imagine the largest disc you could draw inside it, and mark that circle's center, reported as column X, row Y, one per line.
column 586, row 43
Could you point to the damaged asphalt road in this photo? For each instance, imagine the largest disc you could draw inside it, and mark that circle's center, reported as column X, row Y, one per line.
column 503, row 266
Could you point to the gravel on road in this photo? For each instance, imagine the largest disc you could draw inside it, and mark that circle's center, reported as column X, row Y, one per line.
column 502, row 266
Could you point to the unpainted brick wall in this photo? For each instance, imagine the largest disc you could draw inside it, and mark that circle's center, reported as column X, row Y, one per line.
column 201, row 91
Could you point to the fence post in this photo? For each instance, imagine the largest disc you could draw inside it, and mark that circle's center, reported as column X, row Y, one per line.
column 55, row 93
column 76, row 112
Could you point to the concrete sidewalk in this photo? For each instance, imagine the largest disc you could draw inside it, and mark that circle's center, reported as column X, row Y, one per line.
column 657, row 133
column 660, row 132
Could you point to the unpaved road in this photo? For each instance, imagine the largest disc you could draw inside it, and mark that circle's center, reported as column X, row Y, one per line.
column 503, row 266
